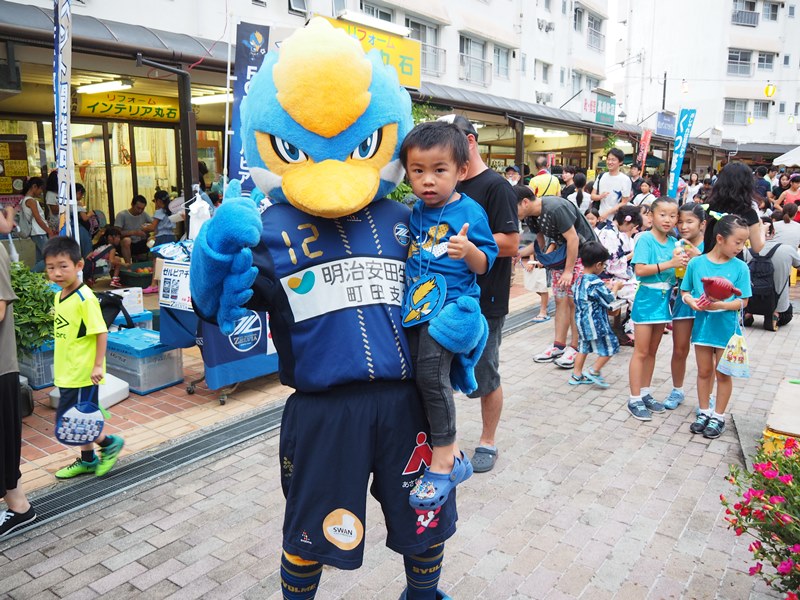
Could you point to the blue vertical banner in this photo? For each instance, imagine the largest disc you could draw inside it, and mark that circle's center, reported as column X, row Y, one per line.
column 252, row 42
column 685, row 122
column 62, row 73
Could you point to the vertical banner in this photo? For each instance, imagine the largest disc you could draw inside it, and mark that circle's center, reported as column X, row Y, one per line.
column 252, row 42
column 644, row 148
column 62, row 72
column 685, row 122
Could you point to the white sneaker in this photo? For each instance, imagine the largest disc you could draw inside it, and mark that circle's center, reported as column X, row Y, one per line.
column 548, row 355
column 567, row 360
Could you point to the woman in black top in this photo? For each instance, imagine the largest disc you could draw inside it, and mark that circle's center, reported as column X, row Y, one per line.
column 734, row 194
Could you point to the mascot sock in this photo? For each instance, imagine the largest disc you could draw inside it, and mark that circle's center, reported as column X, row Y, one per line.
column 299, row 578
column 422, row 573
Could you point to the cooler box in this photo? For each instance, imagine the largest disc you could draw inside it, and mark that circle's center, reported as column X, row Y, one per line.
column 38, row 366
column 112, row 392
column 143, row 320
column 138, row 357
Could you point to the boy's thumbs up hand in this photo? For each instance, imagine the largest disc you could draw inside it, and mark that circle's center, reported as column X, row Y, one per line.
column 458, row 245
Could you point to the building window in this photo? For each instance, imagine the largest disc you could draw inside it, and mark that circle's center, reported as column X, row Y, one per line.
column 501, row 61
column 761, row 109
column 739, row 62
column 338, row 7
column 384, row 14
column 791, row 11
column 592, row 83
column 577, row 79
column 473, row 65
column 523, row 63
column 782, row 107
column 298, row 7
column 797, row 109
column 564, row 7
column 595, row 39
column 260, row 2
column 735, row 111
column 770, row 11
column 433, row 57
column 578, row 20
column 748, row 5
column 547, row 5
column 786, row 60
column 765, row 60
column 545, row 73
column 563, row 79
column 744, row 13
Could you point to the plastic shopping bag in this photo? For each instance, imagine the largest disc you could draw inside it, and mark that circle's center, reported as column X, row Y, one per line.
column 535, row 280
column 734, row 361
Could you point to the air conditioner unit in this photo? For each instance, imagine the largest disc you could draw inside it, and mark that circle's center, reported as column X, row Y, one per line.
column 541, row 23
column 551, row 26
column 543, row 97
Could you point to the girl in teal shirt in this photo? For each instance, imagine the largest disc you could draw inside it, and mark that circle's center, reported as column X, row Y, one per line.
column 717, row 322
column 654, row 261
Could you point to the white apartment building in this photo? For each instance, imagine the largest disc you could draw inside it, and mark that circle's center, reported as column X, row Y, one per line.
column 507, row 64
column 718, row 56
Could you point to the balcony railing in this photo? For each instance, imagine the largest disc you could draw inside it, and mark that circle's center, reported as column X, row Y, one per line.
column 740, row 69
column 596, row 40
column 433, row 60
column 748, row 18
column 475, row 70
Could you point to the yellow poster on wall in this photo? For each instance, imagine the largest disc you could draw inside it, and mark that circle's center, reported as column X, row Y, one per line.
column 125, row 106
column 404, row 54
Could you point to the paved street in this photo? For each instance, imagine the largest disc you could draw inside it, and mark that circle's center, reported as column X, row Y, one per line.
column 585, row 502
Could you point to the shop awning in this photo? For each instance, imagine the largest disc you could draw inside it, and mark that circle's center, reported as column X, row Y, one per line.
column 756, row 148
column 32, row 25
column 481, row 101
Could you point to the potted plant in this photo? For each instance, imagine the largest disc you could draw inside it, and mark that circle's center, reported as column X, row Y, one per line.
column 767, row 508
column 33, row 324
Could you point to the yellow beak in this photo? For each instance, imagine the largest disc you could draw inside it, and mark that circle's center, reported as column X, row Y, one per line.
column 331, row 189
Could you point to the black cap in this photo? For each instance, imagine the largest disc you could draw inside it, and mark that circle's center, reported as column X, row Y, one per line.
column 462, row 123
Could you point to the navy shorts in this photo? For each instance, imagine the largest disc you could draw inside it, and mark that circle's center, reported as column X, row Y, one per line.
column 69, row 397
column 330, row 443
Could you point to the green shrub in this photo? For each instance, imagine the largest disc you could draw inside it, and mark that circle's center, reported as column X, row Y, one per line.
column 33, row 312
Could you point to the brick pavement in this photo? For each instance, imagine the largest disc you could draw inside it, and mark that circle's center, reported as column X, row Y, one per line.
column 585, row 502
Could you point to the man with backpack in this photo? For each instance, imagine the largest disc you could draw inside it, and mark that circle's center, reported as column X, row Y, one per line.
column 769, row 280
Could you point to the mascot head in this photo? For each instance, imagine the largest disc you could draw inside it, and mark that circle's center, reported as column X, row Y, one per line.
column 323, row 122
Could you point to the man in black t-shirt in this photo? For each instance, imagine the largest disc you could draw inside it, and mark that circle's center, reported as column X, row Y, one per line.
column 635, row 174
column 558, row 220
column 492, row 192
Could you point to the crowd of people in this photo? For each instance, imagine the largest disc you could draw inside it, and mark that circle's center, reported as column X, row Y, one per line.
column 618, row 245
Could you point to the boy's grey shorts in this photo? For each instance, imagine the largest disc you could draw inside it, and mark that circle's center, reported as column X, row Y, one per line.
column 487, row 371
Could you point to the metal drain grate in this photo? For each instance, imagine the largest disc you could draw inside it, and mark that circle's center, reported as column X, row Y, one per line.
column 68, row 498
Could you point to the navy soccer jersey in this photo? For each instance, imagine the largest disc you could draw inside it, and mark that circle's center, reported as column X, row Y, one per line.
column 334, row 289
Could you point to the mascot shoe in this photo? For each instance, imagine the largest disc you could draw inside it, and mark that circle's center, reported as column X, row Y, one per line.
column 432, row 489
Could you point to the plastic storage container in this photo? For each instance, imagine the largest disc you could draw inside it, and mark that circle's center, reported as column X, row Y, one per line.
column 112, row 392
column 130, row 278
column 144, row 320
column 38, row 366
column 138, row 357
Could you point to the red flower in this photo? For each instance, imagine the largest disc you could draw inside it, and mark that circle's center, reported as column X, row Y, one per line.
column 790, row 443
column 757, row 569
column 791, row 596
column 785, row 567
column 770, row 474
column 795, row 549
column 776, row 499
column 755, row 546
column 787, row 479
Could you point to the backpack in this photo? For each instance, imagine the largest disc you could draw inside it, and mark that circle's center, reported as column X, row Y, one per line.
column 25, row 400
column 23, row 221
column 111, row 305
column 762, row 282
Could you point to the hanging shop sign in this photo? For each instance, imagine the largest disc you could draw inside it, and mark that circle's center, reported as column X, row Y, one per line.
column 685, row 123
column 126, row 106
column 599, row 109
column 665, row 124
column 404, row 54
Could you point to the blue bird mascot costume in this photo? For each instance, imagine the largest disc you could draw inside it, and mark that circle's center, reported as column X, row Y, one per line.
column 325, row 255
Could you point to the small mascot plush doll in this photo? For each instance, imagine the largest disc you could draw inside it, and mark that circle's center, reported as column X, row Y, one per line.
column 319, row 247
column 716, row 289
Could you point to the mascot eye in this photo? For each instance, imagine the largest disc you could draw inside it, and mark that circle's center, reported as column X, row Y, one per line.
column 287, row 151
column 369, row 146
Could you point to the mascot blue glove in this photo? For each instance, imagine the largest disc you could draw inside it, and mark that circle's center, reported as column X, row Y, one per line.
column 224, row 260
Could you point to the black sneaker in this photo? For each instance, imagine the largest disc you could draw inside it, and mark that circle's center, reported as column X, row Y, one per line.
column 10, row 521
column 714, row 428
column 700, row 423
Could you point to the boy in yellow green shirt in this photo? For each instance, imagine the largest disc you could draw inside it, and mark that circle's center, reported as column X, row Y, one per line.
column 80, row 352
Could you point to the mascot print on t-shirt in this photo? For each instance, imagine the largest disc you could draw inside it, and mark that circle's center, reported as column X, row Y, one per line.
column 325, row 255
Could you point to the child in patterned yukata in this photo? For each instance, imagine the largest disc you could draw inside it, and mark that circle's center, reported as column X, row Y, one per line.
column 592, row 301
